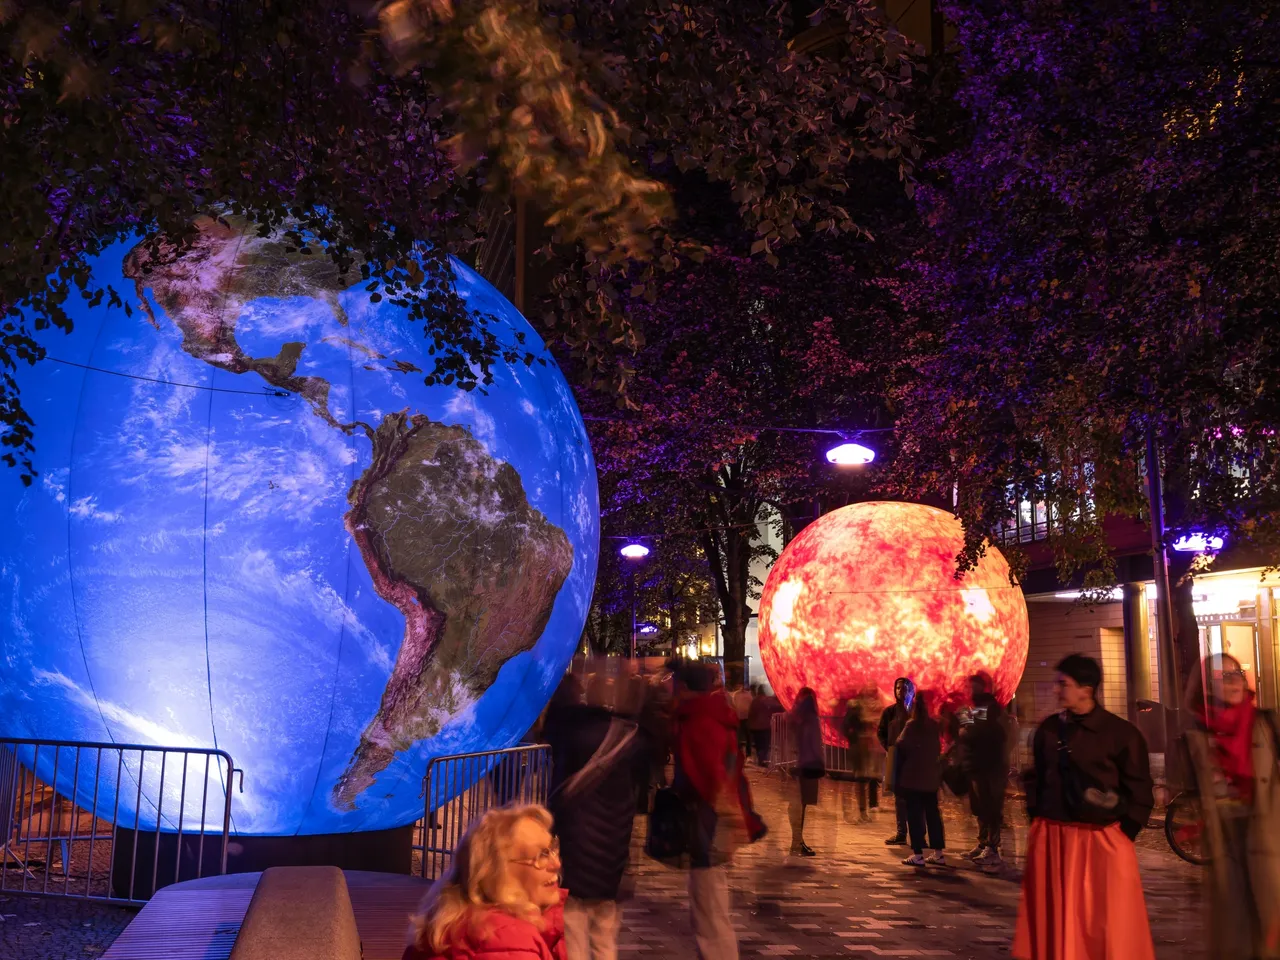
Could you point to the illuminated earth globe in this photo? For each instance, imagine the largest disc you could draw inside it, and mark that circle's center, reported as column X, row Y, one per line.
column 255, row 527
column 867, row 594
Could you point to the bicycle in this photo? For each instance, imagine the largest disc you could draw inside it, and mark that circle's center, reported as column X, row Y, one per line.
column 1184, row 828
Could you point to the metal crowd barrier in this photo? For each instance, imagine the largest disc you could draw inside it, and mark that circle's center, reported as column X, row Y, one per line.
column 782, row 746
column 458, row 789
column 80, row 842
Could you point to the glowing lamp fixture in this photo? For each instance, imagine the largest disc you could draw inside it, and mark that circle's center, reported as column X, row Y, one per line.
column 1198, row 543
column 635, row 551
column 850, row 455
column 1116, row 593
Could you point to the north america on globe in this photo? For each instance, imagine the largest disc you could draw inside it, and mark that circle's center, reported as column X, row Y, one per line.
column 257, row 530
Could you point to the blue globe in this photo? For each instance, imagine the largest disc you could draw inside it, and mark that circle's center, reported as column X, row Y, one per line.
column 255, row 528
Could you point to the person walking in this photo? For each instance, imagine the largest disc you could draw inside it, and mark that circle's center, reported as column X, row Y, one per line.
column 1089, row 794
column 918, row 756
column 892, row 720
column 501, row 897
column 760, row 722
column 709, row 777
column 806, row 727
column 598, row 759
column 742, row 707
column 1234, row 761
column 856, row 728
column 983, row 755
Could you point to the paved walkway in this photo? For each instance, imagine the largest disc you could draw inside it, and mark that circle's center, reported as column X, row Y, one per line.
column 856, row 899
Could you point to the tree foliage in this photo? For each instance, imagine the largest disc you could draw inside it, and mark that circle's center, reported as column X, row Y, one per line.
column 1102, row 266
column 746, row 348
column 368, row 133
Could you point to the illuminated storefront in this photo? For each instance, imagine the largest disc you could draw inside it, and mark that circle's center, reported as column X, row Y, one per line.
column 1235, row 613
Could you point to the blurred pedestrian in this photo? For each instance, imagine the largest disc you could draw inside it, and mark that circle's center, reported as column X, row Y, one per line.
column 856, row 726
column 1233, row 751
column 501, row 897
column 708, row 775
column 810, row 768
column 1089, row 794
column 742, row 707
column 982, row 747
column 760, row 721
column 892, row 720
column 919, row 778
column 598, row 758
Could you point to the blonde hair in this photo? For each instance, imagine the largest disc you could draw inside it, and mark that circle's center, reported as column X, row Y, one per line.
column 478, row 881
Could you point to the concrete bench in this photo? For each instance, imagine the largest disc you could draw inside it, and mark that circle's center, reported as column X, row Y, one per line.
column 299, row 913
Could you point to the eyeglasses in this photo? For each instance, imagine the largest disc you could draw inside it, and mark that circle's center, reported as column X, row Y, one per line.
column 1237, row 675
column 544, row 857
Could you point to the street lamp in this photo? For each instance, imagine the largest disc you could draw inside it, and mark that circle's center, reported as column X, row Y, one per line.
column 1198, row 543
column 634, row 552
column 850, row 455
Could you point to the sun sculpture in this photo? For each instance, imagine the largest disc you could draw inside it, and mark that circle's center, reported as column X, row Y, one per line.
column 868, row 593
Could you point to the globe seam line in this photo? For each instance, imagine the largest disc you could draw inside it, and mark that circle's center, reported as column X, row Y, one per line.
column 346, row 596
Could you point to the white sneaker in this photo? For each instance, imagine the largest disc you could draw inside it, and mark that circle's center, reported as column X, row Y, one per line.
column 974, row 854
column 937, row 857
column 915, row 860
column 990, row 859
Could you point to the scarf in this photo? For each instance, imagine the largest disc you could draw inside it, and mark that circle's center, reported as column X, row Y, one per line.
column 1232, row 729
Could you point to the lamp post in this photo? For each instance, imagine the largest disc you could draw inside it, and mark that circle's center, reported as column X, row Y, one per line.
column 634, row 552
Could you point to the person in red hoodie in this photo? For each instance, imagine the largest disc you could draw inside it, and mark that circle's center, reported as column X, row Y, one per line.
column 708, row 775
column 501, row 899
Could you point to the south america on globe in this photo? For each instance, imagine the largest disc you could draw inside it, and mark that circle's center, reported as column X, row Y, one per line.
column 256, row 528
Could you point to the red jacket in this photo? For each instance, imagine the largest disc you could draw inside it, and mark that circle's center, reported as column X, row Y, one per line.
column 709, row 761
column 508, row 938
column 707, row 741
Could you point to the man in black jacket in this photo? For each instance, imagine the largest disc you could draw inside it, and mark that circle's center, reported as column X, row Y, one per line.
column 892, row 720
column 982, row 751
column 1089, row 795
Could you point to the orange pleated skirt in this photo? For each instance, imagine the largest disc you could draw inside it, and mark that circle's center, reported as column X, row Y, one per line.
column 1081, row 896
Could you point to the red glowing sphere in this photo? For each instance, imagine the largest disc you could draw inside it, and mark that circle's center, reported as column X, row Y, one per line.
column 868, row 593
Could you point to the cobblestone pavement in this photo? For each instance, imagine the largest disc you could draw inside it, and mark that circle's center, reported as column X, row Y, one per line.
column 856, row 899
column 47, row 928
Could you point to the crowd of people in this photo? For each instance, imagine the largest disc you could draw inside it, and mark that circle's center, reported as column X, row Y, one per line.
column 545, row 882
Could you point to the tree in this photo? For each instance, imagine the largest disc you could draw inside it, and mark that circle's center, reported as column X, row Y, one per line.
column 746, row 348
column 369, row 134
column 1101, row 270
column 671, row 590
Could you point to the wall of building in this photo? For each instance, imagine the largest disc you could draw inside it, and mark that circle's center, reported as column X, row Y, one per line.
column 1061, row 628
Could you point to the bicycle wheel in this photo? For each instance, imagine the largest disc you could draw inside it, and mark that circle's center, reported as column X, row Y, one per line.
column 1184, row 829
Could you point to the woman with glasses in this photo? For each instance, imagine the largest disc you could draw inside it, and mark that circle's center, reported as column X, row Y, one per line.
column 1234, row 753
column 501, row 898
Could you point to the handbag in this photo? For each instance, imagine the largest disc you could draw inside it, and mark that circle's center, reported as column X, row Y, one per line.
column 670, row 824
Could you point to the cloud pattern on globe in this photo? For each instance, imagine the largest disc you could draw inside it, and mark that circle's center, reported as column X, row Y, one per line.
column 271, row 537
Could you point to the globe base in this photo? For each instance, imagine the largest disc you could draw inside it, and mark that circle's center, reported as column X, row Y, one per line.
column 157, row 855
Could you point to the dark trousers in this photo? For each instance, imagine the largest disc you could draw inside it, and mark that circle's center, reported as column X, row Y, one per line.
column 744, row 737
column 900, row 810
column 986, row 800
column 761, row 739
column 922, row 813
column 866, row 789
